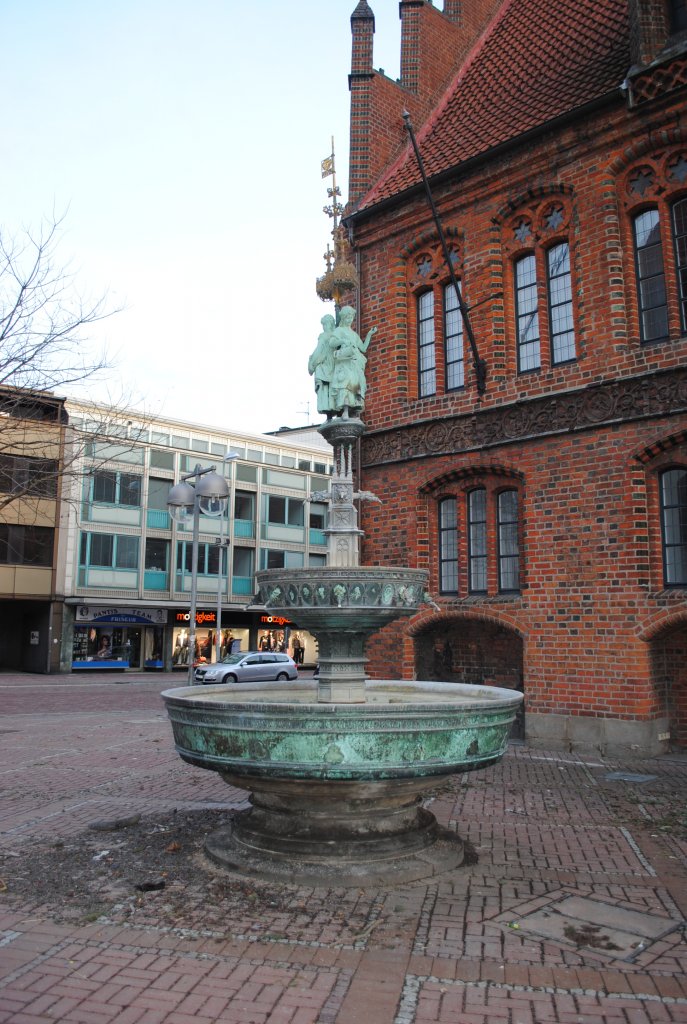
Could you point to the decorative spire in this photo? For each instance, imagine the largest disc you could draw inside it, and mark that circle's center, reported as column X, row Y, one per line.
column 341, row 277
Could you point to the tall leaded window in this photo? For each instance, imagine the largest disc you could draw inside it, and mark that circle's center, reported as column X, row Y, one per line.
column 477, row 540
column 448, row 546
column 651, row 282
column 561, row 327
column 509, row 544
column 527, row 313
column 427, row 360
column 674, row 526
column 679, row 221
column 453, row 340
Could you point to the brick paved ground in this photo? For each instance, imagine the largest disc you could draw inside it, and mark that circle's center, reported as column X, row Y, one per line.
column 487, row 942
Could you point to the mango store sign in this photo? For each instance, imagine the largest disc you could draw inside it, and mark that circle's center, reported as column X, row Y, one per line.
column 143, row 616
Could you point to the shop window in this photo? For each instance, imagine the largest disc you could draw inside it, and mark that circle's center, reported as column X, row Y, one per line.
column 111, row 551
column 673, row 491
column 110, row 488
column 448, row 546
column 26, row 545
column 453, row 340
column 508, row 541
column 426, row 350
column 24, row 475
column 477, row 540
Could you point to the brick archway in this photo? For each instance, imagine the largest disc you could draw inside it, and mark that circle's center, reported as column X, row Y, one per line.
column 469, row 649
column 668, row 661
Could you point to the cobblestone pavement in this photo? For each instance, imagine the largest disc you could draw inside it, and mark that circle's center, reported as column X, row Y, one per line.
column 570, row 910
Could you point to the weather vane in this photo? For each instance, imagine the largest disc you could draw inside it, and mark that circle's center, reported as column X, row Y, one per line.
column 341, row 277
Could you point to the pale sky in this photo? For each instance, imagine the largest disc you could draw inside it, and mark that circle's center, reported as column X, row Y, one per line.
column 182, row 141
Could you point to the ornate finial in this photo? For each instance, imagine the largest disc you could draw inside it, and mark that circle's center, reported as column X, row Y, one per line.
column 341, row 277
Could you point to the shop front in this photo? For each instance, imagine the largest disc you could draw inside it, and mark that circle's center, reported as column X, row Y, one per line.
column 275, row 633
column 235, row 634
column 118, row 638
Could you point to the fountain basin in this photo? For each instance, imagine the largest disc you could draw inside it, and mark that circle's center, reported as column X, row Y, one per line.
column 337, row 789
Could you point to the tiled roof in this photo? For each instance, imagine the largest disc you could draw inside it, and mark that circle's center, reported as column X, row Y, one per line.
column 536, row 61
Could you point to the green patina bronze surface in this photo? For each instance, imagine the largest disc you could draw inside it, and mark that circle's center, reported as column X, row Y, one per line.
column 404, row 730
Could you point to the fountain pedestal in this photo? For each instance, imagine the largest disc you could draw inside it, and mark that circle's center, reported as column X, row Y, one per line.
column 338, row 771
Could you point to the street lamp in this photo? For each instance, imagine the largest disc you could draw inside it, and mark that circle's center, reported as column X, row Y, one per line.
column 223, row 545
column 208, row 495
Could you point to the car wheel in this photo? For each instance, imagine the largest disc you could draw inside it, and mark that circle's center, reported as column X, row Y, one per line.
column 230, row 678
column 282, row 676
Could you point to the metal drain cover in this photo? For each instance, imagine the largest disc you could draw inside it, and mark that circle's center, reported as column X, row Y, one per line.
column 595, row 925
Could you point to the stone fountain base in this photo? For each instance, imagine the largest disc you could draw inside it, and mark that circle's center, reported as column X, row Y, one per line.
column 337, row 789
column 335, row 833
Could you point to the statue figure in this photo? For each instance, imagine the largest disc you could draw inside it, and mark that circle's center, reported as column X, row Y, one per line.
column 338, row 366
column 348, row 384
column 321, row 365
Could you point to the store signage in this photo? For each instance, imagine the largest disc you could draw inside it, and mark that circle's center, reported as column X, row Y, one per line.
column 202, row 618
column 275, row 620
column 145, row 616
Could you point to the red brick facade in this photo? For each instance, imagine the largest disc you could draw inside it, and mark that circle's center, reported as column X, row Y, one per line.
column 594, row 632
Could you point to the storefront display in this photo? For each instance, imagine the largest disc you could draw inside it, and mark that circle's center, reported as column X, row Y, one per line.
column 117, row 638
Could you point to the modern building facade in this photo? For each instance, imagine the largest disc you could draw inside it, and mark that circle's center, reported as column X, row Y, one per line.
column 549, row 506
column 128, row 566
column 32, row 436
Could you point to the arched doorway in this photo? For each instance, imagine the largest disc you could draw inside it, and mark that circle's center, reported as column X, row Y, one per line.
column 458, row 649
column 669, row 678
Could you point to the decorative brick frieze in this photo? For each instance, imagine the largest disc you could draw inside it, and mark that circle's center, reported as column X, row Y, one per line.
column 623, row 400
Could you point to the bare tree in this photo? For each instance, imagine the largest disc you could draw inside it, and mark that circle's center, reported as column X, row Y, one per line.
column 44, row 356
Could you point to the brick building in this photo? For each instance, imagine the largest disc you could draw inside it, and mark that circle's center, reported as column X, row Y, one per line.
column 551, row 508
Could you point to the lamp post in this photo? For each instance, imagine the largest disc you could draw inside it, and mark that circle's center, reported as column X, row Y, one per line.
column 209, row 494
column 222, row 545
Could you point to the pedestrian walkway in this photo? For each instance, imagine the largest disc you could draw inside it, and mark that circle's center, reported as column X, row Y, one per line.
column 570, row 907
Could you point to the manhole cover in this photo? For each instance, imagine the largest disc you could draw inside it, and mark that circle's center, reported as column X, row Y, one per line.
column 596, row 925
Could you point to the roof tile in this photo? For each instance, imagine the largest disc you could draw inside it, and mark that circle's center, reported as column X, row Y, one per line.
column 536, row 61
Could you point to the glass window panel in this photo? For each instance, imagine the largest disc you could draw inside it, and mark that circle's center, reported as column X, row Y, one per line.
column 101, row 549
column 508, row 539
column 156, row 554
column 679, row 219
column 453, row 340
column 477, row 536
column 674, row 525
column 104, row 486
column 127, row 552
column 448, row 546
column 130, row 490
column 526, row 311
column 650, row 276
column 426, row 349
